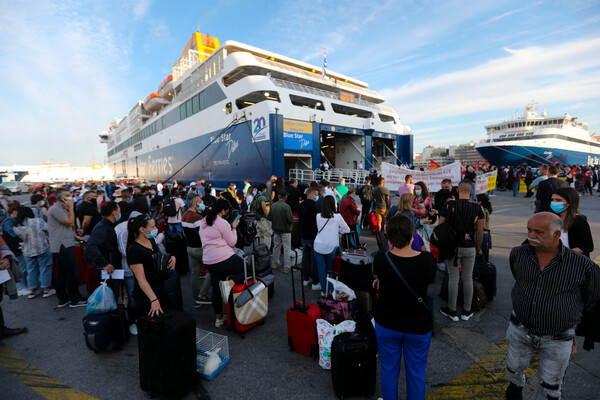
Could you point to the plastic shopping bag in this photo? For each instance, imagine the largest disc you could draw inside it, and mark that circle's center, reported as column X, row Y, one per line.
column 341, row 291
column 326, row 332
column 102, row 300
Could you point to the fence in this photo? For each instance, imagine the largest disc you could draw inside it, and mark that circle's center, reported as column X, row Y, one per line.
column 353, row 177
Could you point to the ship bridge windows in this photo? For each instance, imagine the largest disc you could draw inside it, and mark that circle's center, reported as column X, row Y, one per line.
column 353, row 112
column 306, row 102
column 256, row 97
column 386, row 118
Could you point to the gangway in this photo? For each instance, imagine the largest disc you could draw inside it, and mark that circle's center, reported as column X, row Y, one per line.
column 353, row 177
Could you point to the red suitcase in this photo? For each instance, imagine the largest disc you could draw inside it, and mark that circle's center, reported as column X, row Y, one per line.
column 302, row 324
column 372, row 222
column 232, row 322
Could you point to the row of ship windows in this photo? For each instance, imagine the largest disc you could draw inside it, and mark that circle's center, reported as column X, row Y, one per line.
column 517, row 134
column 528, row 123
column 199, row 102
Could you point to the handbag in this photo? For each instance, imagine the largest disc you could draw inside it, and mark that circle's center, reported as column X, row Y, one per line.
column 427, row 303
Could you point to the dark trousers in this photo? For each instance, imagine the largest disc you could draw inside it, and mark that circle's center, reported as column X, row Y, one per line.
column 232, row 267
column 366, row 210
column 67, row 272
column 309, row 263
column 1, row 315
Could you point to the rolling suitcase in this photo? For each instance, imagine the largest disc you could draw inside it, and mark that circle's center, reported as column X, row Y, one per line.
column 372, row 222
column 119, row 327
column 353, row 365
column 242, row 319
column 296, row 235
column 271, row 286
column 302, row 324
column 485, row 273
column 167, row 347
column 356, row 271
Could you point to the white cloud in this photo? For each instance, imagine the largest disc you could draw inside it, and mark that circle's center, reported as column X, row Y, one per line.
column 558, row 73
column 140, row 10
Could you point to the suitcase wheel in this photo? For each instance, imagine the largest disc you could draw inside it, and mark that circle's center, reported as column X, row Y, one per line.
column 291, row 343
column 243, row 335
column 262, row 322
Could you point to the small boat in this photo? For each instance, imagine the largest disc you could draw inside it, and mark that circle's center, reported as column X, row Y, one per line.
column 154, row 102
column 165, row 89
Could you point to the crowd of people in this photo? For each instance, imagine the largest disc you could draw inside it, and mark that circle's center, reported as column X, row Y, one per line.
column 128, row 225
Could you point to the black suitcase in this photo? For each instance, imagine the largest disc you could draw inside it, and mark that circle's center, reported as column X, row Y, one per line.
column 172, row 291
column 353, row 365
column 119, row 327
column 97, row 330
column 485, row 273
column 167, row 347
column 357, row 271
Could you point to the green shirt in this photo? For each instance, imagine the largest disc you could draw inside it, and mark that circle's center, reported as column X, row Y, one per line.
column 281, row 216
column 256, row 206
column 342, row 190
column 380, row 196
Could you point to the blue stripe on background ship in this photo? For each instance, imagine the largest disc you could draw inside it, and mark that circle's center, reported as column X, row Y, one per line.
column 536, row 156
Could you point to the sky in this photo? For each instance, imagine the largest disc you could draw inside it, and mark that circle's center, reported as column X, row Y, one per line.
column 447, row 67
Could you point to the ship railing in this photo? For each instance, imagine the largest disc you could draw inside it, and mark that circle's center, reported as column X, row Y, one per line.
column 326, row 93
column 186, row 62
column 353, row 177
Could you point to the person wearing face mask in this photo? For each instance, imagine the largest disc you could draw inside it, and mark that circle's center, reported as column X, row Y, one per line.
column 350, row 213
column 191, row 230
column 102, row 247
column 423, row 209
column 250, row 193
column 61, row 220
column 576, row 233
column 307, row 218
column 87, row 213
column 37, row 201
column 232, row 188
column 218, row 239
column 148, row 290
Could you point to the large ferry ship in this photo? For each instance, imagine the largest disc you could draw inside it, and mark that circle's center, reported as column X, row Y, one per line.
column 535, row 138
column 233, row 111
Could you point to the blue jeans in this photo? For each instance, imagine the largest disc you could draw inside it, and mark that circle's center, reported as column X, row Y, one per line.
column 129, row 283
column 309, row 263
column 391, row 344
column 22, row 264
column 39, row 267
column 553, row 356
column 473, row 193
column 324, row 265
column 516, row 187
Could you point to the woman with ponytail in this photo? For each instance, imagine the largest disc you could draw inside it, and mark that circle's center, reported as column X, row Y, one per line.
column 148, row 290
column 218, row 239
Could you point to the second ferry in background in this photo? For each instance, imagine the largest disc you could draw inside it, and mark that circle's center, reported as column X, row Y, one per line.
column 535, row 138
column 233, row 111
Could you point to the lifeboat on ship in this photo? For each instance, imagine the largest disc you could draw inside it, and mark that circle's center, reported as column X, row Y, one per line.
column 165, row 89
column 154, row 102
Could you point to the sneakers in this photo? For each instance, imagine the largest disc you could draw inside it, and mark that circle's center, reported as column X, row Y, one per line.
column 307, row 282
column 286, row 270
column 466, row 315
column 24, row 292
column 133, row 329
column 225, row 287
column 49, row 293
column 63, row 304
column 275, row 266
column 34, row 294
column 80, row 303
column 220, row 322
column 316, row 286
column 201, row 300
column 449, row 313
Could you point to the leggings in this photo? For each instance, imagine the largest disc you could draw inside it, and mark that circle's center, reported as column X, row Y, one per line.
column 232, row 267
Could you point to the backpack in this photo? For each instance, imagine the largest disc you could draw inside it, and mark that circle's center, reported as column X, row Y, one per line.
column 443, row 242
column 169, row 207
column 366, row 193
column 262, row 258
column 256, row 208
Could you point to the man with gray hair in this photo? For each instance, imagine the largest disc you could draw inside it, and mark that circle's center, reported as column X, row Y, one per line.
column 553, row 286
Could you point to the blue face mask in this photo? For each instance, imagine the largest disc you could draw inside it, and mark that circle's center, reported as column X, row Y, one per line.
column 557, row 207
column 131, row 199
column 254, row 193
column 316, row 198
column 352, row 196
column 201, row 207
column 42, row 203
column 153, row 233
column 418, row 192
column 118, row 218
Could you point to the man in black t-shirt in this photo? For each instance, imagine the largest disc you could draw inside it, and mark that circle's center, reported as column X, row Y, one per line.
column 447, row 192
column 466, row 218
column 293, row 195
column 87, row 213
column 307, row 218
column 366, row 200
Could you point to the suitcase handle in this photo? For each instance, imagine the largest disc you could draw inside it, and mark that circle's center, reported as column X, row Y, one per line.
column 302, row 308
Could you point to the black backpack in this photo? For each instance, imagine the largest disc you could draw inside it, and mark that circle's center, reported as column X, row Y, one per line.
column 169, row 207
column 443, row 242
column 366, row 193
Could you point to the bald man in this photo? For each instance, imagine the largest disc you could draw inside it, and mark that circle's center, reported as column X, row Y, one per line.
column 553, row 286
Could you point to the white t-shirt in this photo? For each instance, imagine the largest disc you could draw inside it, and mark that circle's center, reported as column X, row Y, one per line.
column 328, row 230
column 328, row 192
column 159, row 188
column 179, row 206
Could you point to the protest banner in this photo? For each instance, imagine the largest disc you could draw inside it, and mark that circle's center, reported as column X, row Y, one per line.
column 486, row 182
column 394, row 176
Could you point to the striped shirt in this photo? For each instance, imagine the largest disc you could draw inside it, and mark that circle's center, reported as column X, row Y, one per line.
column 550, row 301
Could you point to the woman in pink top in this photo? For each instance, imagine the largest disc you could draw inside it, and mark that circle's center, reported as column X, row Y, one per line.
column 218, row 239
